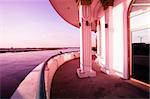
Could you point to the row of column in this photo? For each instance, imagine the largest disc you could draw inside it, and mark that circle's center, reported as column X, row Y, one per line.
column 107, row 30
column 106, row 52
column 85, row 69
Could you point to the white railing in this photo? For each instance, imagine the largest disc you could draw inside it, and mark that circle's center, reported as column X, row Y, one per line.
column 49, row 70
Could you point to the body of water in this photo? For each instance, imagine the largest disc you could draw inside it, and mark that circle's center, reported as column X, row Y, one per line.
column 14, row 67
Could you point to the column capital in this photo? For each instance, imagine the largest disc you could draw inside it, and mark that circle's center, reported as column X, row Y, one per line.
column 106, row 3
column 84, row 2
column 85, row 14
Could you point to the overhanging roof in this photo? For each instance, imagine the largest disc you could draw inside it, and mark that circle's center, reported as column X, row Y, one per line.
column 68, row 10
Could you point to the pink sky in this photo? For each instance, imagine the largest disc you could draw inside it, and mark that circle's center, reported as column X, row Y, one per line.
column 34, row 23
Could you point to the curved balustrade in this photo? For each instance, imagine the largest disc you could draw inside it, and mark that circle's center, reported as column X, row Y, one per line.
column 48, row 70
column 37, row 83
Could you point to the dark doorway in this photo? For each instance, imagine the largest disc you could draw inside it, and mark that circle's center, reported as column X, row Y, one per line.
column 140, row 61
column 140, row 35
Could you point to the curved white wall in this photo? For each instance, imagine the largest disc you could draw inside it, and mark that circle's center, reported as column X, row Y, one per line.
column 29, row 86
column 53, row 65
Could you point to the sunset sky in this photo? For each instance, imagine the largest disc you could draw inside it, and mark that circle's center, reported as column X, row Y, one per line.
column 34, row 23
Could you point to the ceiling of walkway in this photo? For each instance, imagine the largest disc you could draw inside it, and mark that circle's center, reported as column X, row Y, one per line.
column 68, row 9
column 140, row 6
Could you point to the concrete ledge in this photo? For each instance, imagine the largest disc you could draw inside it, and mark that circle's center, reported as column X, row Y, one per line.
column 28, row 87
column 53, row 65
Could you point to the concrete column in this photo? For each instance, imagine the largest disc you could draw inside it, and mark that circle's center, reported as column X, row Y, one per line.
column 98, row 35
column 103, row 42
column 126, row 74
column 85, row 69
column 109, row 39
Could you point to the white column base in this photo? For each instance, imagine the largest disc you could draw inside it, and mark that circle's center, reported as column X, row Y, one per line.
column 97, row 60
column 85, row 74
column 107, row 71
column 104, row 70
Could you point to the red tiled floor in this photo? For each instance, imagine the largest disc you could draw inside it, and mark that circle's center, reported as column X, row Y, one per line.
column 66, row 84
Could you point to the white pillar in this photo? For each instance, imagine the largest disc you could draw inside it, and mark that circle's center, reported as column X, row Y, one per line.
column 109, row 40
column 85, row 69
column 98, row 35
column 126, row 68
column 103, row 42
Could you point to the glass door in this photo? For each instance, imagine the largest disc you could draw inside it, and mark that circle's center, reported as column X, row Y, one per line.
column 140, row 36
column 141, row 54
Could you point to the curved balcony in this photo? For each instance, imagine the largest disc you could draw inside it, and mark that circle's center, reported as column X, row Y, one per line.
column 57, row 78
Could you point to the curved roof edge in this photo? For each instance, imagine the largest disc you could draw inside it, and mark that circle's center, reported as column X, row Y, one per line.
column 62, row 16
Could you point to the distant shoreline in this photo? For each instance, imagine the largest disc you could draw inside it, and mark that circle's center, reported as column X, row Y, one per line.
column 14, row 50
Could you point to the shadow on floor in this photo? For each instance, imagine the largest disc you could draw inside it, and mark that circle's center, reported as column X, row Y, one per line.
column 66, row 84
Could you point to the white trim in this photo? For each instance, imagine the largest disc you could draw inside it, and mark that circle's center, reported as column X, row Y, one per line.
column 141, row 28
column 141, row 4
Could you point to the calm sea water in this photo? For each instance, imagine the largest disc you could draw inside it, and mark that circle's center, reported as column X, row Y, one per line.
column 14, row 67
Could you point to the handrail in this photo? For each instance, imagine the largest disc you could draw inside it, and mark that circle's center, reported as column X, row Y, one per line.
column 41, row 92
